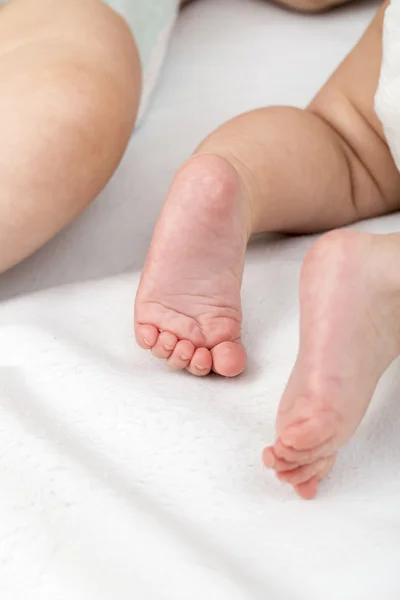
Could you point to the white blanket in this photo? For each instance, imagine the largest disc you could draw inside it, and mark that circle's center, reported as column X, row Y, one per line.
column 122, row 481
column 388, row 94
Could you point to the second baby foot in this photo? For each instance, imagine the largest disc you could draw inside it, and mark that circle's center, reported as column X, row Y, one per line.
column 349, row 334
column 188, row 308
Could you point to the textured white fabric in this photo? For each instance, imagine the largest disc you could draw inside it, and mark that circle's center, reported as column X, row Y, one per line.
column 388, row 94
column 120, row 480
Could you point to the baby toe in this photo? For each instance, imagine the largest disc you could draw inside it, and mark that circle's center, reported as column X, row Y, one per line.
column 307, row 490
column 310, row 433
column 146, row 336
column 229, row 359
column 164, row 345
column 182, row 355
column 271, row 461
column 200, row 363
column 304, row 473
column 301, row 457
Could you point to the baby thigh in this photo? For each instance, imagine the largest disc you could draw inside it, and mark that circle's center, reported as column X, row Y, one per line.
column 70, row 88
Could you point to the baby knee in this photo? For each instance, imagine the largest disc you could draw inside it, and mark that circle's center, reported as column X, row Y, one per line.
column 93, row 78
column 90, row 98
column 84, row 83
column 94, row 106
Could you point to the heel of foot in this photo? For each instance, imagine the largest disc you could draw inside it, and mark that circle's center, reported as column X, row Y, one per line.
column 214, row 179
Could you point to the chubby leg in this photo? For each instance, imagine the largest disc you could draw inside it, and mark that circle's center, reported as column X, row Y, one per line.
column 282, row 169
column 274, row 169
column 70, row 88
column 349, row 294
column 349, row 335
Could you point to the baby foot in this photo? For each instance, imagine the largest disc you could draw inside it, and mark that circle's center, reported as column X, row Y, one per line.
column 349, row 334
column 188, row 308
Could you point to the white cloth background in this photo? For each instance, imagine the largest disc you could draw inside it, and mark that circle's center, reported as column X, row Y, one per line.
column 120, row 480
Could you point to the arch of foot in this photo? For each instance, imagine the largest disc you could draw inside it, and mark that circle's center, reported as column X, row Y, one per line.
column 387, row 99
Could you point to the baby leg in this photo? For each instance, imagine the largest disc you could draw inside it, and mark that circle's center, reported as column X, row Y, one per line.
column 70, row 87
column 274, row 169
column 349, row 293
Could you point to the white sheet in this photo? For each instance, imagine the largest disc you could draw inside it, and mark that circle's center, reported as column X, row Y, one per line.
column 387, row 97
column 120, row 480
